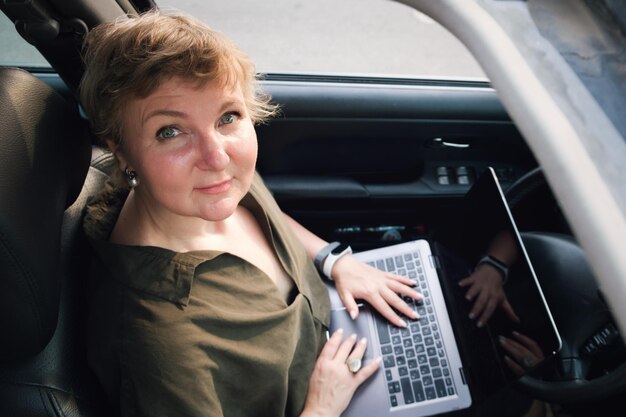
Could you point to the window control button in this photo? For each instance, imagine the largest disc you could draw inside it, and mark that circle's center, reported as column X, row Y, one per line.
column 442, row 171
column 463, row 180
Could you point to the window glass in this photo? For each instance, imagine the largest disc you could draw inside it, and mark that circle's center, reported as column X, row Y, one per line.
column 378, row 37
column 14, row 50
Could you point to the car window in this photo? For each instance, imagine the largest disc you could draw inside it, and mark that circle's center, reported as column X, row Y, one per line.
column 14, row 50
column 377, row 37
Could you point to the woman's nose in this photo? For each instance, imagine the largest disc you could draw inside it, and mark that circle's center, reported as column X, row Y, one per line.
column 213, row 154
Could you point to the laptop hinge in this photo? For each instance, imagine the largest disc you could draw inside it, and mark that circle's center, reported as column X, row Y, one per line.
column 434, row 261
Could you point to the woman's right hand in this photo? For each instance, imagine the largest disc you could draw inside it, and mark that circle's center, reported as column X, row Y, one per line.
column 332, row 384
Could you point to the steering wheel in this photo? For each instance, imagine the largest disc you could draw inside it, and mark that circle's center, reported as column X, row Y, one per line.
column 579, row 312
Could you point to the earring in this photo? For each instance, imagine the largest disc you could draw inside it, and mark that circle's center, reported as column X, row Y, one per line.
column 131, row 177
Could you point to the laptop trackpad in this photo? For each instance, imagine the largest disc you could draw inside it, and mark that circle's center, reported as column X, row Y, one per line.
column 340, row 319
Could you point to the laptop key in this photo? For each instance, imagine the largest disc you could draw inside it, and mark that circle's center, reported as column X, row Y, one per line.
column 418, row 390
column 440, row 388
column 383, row 333
column 430, row 393
column 407, row 391
column 389, row 264
column 393, row 387
column 389, row 361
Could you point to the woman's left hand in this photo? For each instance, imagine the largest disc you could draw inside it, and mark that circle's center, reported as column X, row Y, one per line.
column 383, row 291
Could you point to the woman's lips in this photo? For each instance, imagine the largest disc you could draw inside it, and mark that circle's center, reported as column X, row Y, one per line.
column 216, row 188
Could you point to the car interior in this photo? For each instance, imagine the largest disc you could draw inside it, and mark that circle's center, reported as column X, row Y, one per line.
column 365, row 160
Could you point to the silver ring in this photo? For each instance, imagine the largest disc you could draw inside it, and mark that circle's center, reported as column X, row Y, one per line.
column 528, row 362
column 354, row 365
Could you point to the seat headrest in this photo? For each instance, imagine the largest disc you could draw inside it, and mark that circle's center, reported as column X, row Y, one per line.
column 44, row 157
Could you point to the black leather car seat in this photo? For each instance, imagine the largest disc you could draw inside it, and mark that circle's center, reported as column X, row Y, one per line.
column 44, row 159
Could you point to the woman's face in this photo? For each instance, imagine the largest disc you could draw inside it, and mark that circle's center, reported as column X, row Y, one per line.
column 194, row 149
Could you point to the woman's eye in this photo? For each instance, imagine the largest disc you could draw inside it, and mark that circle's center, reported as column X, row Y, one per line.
column 168, row 132
column 229, row 118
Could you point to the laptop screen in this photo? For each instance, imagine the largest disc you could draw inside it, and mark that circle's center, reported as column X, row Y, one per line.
column 510, row 344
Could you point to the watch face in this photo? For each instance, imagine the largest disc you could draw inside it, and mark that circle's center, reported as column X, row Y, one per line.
column 339, row 249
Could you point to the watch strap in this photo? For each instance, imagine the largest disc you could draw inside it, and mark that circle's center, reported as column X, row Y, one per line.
column 332, row 258
column 497, row 264
column 323, row 253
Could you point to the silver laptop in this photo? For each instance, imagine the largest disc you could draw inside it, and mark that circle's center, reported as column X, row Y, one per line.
column 421, row 371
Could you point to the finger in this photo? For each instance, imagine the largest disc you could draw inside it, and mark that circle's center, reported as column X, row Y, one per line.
column 466, row 281
column 386, row 311
column 350, row 304
column 514, row 366
column 515, row 349
column 508, row 310
column 359, row 349
column 345, row 348
column 529, row 343
column 330, row 348
column 399, row 304
column 472, row 292
column 487, row 313
column 479, row 306
column 404, row 290
column 404, row 280
column 367, row 370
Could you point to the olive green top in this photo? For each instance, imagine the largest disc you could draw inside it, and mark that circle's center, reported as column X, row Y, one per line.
column 202, row 333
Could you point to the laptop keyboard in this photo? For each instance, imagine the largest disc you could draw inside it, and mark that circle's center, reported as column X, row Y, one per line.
column 414, row 359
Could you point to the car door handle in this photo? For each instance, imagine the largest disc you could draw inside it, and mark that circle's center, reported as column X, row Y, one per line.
column 440, row 143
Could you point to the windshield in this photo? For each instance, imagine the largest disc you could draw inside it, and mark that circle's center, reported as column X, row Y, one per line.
column 374, row 37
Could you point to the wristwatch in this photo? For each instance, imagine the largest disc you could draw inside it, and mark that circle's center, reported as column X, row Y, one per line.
column 328, row 255
column 497, row 264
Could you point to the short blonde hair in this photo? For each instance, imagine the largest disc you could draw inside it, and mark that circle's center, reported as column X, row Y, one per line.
column 131, row 57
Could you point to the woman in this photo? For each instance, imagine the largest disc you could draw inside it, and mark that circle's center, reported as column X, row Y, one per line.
column 205, row 299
